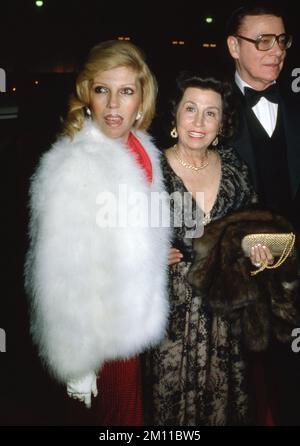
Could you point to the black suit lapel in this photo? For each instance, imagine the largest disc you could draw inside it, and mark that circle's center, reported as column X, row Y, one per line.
column 242, row 140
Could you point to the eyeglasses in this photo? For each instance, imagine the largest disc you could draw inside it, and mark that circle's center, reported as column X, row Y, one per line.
column 265, row 42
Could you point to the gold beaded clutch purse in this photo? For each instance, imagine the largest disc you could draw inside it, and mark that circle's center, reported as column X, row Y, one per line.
column 280, row 244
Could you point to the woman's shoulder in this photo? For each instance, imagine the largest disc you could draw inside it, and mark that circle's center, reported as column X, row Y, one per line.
column 235, row 172
column 166, row 157
column 230, row 157
column 66, row 162
column 67, row 151
column 172, row 181
column 63, row 153
column 166, row 164
column 226, row 152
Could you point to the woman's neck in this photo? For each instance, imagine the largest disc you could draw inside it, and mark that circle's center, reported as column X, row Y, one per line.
column 193, row 156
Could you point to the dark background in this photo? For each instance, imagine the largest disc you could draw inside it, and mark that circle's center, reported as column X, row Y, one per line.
column 47, row 45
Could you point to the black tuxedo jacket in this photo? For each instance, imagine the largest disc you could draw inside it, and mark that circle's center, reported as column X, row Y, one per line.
column 243, row 145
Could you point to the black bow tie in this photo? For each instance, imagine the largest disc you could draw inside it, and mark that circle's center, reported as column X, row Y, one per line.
column 253, row 96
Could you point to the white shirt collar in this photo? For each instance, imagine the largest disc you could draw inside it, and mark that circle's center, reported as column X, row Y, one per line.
column 242, row 84
column 265, row 111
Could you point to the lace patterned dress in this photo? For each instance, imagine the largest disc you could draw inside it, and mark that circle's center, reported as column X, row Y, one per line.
column 198, row 373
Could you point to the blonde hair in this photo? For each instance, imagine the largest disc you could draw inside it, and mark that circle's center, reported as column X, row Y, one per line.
column 106, row 56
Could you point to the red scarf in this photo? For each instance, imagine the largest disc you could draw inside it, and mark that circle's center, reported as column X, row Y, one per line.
column 141, row 155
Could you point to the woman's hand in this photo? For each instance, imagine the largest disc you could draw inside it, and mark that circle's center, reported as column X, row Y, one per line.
column 260, row 254
column 175, row 256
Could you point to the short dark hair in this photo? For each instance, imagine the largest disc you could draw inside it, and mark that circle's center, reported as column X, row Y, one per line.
column 251, row 9
column 188, row 80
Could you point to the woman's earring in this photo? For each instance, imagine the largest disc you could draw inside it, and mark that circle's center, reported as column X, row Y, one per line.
column 138, row 116
column 88, row 112
column 216, row 141
column 174, row 133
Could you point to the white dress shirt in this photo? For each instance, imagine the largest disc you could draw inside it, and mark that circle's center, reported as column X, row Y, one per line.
column 265, row 111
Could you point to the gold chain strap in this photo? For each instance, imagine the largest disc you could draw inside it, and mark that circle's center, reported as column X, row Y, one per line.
column 284, row 255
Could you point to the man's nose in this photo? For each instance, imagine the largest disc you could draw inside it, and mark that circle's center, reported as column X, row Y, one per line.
column 276, row 49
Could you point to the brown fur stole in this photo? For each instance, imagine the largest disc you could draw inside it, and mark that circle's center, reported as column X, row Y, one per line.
column 260, row 306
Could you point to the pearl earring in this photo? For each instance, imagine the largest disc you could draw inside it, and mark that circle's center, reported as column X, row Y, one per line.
column 88, row 111
column 138, row 116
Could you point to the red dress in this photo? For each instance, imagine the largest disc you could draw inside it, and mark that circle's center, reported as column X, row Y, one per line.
column 119, row 402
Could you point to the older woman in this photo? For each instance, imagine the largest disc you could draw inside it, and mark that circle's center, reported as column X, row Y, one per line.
column 96, row 278
column 198, row 371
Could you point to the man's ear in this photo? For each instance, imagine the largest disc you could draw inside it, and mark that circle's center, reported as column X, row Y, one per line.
column 233, row 47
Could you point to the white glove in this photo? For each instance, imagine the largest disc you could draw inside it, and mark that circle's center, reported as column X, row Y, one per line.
column 83, row 388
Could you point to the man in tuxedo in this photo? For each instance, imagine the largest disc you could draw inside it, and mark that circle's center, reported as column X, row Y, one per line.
column 268, row 140
column 269, row 134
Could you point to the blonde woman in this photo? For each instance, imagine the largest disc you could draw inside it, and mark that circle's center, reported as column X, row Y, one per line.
column 97, row 285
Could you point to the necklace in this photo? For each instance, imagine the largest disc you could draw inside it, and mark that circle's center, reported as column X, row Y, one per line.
column 188, row 165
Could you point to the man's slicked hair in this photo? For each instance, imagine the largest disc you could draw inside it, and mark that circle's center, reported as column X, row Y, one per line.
column 250, row 9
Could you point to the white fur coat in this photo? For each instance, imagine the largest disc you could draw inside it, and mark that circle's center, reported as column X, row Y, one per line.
column 97, row 293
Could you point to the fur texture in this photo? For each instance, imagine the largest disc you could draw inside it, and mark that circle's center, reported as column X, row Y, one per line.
column 97, row 293
column 259, row 306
